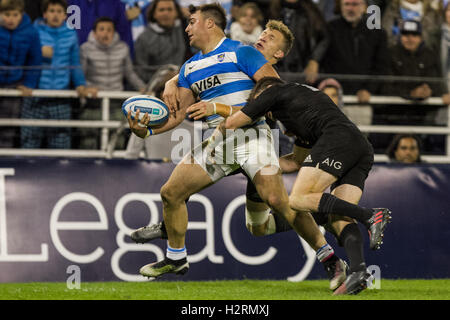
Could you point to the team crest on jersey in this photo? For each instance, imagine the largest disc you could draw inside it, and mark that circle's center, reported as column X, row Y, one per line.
column 221, row 57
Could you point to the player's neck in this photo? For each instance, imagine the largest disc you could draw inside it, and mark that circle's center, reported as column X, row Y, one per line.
column 272, row 61
column 212, row 43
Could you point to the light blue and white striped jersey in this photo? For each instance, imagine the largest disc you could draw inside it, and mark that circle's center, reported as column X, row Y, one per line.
column 223, row 75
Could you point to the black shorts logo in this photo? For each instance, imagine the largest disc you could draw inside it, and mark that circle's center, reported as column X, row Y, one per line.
column 332, row 163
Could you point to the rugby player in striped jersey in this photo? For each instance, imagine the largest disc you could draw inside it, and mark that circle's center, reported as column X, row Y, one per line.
column 224, row 71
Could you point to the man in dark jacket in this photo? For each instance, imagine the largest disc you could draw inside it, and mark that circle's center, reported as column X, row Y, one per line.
column 410, row 57
column 308, row 25
column 355, row 49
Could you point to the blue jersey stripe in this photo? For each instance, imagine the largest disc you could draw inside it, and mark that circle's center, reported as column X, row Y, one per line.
column 227, row 88
column 212, row 70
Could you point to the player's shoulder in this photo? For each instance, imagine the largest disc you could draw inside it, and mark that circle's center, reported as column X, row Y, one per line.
column 192, row 59
column 237, row 46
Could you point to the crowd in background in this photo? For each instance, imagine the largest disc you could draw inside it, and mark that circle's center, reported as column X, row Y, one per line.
column 124, row 44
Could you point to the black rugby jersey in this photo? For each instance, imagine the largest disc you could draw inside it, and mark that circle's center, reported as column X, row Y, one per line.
column 303, row 110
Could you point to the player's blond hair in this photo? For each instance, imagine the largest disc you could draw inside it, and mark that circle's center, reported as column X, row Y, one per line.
column 284, row 30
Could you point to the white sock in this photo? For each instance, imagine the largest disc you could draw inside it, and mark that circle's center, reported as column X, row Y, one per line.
column 324, row 253
column 272, row 226
column 176, row 253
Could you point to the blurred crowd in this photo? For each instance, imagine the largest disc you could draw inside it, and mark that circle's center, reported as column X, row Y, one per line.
column 126, row 44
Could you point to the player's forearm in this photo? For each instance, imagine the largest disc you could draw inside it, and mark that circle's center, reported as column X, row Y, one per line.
column 225, row 110
column 174, row 120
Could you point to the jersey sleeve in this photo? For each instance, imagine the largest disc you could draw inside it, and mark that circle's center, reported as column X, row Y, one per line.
column 182, row 81
column 260, row 106
column 249, row 60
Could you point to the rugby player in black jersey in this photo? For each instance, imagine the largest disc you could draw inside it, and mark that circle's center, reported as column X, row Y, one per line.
column 331, row 152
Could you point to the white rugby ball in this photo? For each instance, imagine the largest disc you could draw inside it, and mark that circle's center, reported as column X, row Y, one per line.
column 156, row 109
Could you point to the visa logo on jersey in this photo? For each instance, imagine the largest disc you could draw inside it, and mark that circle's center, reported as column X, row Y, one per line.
column 207, row 83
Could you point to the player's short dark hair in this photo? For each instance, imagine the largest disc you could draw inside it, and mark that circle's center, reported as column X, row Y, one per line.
column 7, row 5
column 103, row 19
column 263, row 84
column 213, row 11
column 47, row 3
column 390, row 151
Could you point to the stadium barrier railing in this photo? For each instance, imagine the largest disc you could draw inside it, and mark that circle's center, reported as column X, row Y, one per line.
column 105, row 124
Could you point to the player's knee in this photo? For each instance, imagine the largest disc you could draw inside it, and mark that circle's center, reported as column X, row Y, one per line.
column 170, row 195
column 297, row 202
column 276, row 202
column 294, row 202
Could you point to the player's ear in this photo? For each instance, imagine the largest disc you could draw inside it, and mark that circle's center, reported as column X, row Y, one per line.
column 279, row 54
column 210, row 23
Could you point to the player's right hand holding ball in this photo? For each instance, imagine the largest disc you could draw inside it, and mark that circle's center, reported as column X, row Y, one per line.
column 139, row 128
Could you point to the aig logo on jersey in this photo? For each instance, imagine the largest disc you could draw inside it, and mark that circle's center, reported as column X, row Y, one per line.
column 332, row 163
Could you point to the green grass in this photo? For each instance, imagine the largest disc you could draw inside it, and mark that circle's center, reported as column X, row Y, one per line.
column 222, row 290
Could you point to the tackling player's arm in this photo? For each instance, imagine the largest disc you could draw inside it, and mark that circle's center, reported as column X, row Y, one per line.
column 266, row 70
column 235, row 121
column 293, row 161
column 140, row 128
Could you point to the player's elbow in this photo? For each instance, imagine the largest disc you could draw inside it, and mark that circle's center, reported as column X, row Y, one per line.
column 229, row 124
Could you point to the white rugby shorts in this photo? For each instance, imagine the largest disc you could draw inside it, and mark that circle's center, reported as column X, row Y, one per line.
column 251, row 148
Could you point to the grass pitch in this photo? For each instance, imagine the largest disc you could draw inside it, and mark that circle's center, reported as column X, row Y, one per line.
column 223, row 290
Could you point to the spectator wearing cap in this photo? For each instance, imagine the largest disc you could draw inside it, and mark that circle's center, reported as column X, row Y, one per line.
column 405, row 148
column 427, row 12
column 412, row 58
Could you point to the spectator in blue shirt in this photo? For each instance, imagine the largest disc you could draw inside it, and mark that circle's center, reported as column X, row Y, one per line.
column 19, row 47
column 61, row 58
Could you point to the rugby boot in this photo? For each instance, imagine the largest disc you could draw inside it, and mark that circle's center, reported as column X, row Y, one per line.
column 376, row 225
column 355, row 283
column 150, row 232
column 337, row 272
column 157, row 269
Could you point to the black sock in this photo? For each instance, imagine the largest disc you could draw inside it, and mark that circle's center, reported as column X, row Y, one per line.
column 281, row 225
column 352, row 240
column 331, row 204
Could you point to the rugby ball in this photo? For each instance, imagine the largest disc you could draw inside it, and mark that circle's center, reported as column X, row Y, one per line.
column 156, row 109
